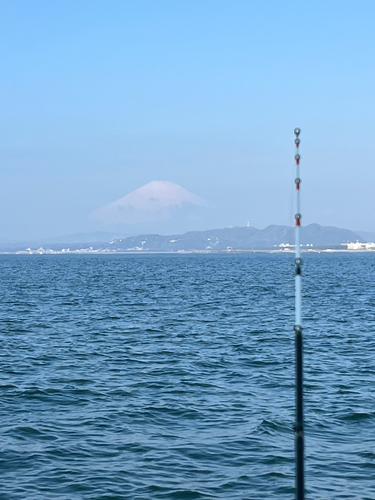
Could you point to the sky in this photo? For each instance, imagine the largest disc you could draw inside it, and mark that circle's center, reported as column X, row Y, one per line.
column 99, row 97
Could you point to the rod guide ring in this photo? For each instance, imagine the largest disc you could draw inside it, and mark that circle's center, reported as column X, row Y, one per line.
column 298, row 216
column 298, row 427
column 298, row 328
column 297, row 131
column 297, row 180
column 297, row 157
column 298, row 261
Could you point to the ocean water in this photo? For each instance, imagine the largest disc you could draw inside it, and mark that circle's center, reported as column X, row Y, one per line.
column 172, row 376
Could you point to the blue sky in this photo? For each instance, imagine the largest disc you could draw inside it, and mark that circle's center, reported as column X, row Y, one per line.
column 101, row 97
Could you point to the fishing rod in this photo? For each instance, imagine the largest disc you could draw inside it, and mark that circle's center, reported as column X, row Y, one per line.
column 298, row 426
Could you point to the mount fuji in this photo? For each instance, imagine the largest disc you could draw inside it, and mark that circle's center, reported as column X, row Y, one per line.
column 155, row 201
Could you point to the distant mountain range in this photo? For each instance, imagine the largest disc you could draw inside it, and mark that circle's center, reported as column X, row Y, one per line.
column 236, row 238
column 240, row 238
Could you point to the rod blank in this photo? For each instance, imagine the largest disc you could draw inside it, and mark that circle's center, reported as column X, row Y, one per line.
column 299, row 424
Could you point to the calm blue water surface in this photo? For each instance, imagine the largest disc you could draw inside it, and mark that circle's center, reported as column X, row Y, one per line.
column 172, row 377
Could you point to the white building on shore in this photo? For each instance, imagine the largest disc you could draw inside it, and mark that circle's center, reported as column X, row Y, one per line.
column 359, row 246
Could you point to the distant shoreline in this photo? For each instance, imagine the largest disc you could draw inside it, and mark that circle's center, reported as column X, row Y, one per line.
column 187, row 252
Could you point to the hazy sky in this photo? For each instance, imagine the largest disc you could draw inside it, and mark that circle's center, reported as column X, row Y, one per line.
column 100, row 97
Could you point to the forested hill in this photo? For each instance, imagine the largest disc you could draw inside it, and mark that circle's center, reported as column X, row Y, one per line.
column 241, row 238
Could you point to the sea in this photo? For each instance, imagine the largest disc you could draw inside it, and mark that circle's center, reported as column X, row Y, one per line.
column 171, row 377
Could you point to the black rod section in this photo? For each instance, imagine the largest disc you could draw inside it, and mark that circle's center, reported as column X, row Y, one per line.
column 298, row 426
